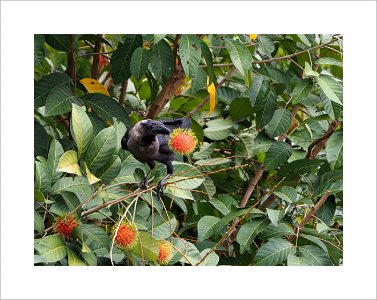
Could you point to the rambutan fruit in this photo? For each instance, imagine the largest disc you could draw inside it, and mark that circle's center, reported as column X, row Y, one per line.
column 64, row 225
column 183, row 141
column 127, row 235
column 165, row 252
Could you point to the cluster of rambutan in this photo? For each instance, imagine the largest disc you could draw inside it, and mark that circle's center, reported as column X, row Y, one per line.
column 183, row 141
column 64, row 225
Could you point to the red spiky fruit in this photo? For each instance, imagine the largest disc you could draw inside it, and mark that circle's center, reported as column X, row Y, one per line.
column 165, row 252
column 183, row 141
column 65, row 225
column 127, row 235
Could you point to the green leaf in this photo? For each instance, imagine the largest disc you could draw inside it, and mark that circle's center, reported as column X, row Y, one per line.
column 58, row 41
column 40, row 140
column 68, row 163
column 329, row 61
column 92, row 179
column 217, row 133
column 300, row 166
column 162, row 61
column 139, row 62
column 334, row 150
column 190, row 53
column 301, row 91
column 205, row 227
column 287, row 193
column 315, row 256
column 56, row 151
column 280, row 123
column 147, row 248
column 275, row 215
column 276, row 231
column 240, row 108
column 327, row 211
column 296, row 260
column 101, row 149
column 163, row 226
column 190, row 252
column 44, row 86
column 240, row 56
column 52, row 248
column 42, row 178
column 274, row 252
column 74, row 259
column 38, row 223
column 39, row 50
column 96, row 235
column 210, row 260
column 182, row 173
column 256, row 87
column 81, row 129
column 78, row 185
column 277, row 155
column 59, row 101
column 158, row 37
column 332, row 88
column 121, row 58
column 227, row 94
column 198, row 80
column 223, row 203
column 265, row 105
column 107, row 108
column 209, row 61
column 249, row 231
column 110, row 170
column 309, row 71
column 315, row 240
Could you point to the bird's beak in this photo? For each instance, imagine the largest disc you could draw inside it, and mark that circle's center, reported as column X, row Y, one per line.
column 160, row 129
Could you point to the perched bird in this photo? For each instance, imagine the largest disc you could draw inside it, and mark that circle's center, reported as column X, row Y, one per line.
column 148, row 141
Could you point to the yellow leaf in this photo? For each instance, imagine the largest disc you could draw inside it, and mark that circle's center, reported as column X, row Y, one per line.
column 212, row 97
column 68, row 163
column 93, row 86
column 91, row 178
column 253, row 37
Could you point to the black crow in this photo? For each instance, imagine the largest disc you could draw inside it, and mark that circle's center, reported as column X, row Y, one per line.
column 148, row 141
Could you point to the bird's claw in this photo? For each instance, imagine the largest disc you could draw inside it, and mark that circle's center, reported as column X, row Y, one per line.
column 160, row 191
column 144, row 184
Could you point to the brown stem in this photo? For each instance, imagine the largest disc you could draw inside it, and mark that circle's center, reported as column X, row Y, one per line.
column 219, row 85
column 318, row 144
column 252, row 184
column 96, row 50
column 64, row 120
column 310, row 214
column 123, row 92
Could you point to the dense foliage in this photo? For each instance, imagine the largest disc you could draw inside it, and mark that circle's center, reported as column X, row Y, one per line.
column 264, row 186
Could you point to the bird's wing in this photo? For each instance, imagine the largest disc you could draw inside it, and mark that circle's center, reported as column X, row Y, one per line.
column 125, row 139
column 164, row 144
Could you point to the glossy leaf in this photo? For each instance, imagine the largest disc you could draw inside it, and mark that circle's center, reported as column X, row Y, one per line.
column 69, row 163
column 198, row 82
column 315, row 256
column 39, row 50
column 121, row 59
column 190, row 53
column 81, row 129
column 139, row 62
column 39, row 226
column 209, row 61
column 274, row 252
column 101, row 149
column 265, row 105
column 42, row 177
column 205, row 227
column 286, row 193
column 107, row 108
column 97, row 236
column 334, row 150
column 91, row 178
column 52, row 248
column 240, row 55
column 40, row 140
column 58, row 41
column 249, row 231
column 162, row 61
column 275, row 215
column 110, row 170
column 74, row 259
column 46, row 84
column 332, row 89
column 59, row 101
column 163, row 226
column 277, row 154
column 54, row 154
column 280, row 122
column 240, row 108
column 147, row 248
column 93, row 86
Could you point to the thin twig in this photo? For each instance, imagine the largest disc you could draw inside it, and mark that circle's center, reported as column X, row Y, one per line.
column 95, row 64
column 123, row 92
column 253, row 183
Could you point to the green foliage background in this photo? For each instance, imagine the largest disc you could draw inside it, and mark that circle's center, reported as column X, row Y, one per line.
column 270, row 155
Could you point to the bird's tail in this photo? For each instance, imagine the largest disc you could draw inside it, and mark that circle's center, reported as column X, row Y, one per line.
column 184, row 123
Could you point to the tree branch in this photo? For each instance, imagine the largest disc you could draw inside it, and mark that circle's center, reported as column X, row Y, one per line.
column 171, row 85
column 123, row 92
column 252, row 184
column 71, row 60
column 310, row 214
column 96, row 50
column 318, row 144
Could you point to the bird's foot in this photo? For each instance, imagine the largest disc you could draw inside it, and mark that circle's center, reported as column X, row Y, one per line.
column 160, row 191
column 144, row 184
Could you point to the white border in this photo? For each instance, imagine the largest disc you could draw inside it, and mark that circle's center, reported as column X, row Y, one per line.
column 20, row 20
